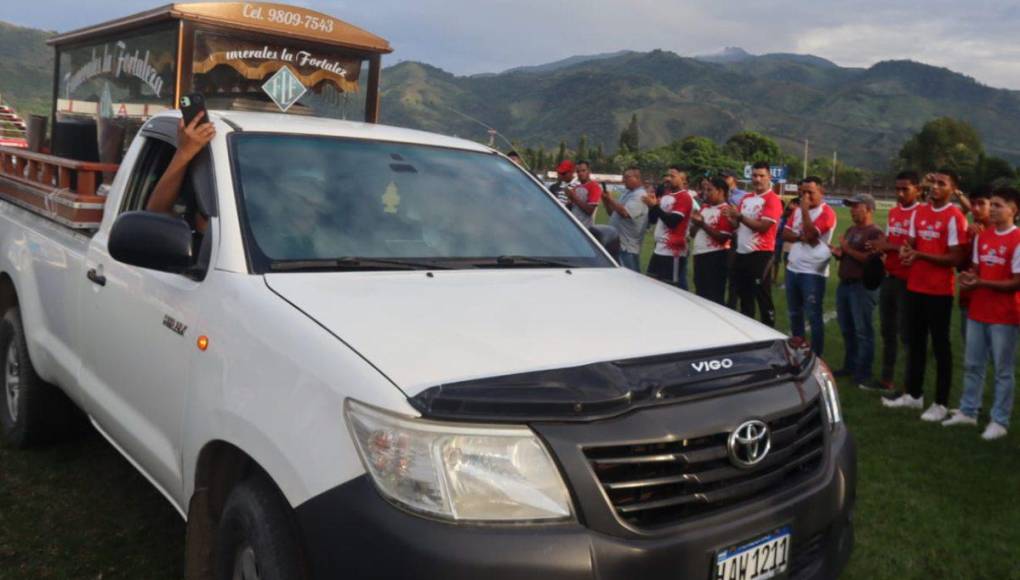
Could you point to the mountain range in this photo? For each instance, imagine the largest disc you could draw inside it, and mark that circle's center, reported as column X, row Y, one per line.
column 865, row 114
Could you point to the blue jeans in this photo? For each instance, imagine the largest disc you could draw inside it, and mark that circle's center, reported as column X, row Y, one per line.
column 630, row 261
column 999, row 342
column 804, row 296
column 855, row 305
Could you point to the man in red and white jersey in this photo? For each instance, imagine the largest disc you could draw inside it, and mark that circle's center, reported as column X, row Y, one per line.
column 757, row 220
column 892, row 308
column 809, row 231
column 680, row 179
column 993, row 318
column 672, row 215
column 937, row 245
column 583, row 198
column 978, row 204
column 710, row 247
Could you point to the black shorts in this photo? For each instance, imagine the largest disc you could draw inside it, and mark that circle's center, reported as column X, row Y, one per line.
column 667, row 269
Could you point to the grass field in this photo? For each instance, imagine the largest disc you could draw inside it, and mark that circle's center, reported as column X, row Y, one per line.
column 932, row 502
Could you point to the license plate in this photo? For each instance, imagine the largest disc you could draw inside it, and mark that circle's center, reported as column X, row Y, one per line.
column 765, row 557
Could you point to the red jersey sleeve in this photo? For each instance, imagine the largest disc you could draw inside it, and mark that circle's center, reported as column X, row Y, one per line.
column 793, row 222
column 826, row 221
column 683, row 204
column 773, row 209
column 594, row 192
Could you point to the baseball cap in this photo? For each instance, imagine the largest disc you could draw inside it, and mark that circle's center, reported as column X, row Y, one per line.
column 865, row 198
column 565, row 166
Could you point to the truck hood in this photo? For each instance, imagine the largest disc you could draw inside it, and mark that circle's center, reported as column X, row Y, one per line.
column 426, row 329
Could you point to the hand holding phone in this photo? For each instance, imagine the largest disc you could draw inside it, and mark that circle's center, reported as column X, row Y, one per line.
column 195, row 130
column 191, row 105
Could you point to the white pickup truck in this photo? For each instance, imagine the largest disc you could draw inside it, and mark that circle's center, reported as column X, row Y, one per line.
column 393, row 354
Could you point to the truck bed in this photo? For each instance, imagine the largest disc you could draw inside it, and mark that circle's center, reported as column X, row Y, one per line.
column 63, row 190
column 48, row 259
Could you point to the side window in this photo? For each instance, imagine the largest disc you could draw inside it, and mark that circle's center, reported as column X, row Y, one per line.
column 152, row 162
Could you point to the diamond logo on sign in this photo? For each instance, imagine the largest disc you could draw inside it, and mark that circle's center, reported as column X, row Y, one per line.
column 284, row 88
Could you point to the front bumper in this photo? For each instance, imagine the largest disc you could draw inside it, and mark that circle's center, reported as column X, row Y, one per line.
column 351, row 532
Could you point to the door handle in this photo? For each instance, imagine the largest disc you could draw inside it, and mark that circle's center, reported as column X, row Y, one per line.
column 96, row 277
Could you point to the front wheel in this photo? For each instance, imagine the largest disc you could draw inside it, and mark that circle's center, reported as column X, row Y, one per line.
column 32, row 411
column 257, row 538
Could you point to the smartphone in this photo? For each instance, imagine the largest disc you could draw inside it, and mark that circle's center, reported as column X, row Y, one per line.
column 191, row 106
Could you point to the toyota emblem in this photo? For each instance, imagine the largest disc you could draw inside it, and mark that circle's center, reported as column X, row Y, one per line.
column 749, row 443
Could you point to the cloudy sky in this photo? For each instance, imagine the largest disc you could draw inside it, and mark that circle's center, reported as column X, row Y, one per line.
column 978, row 38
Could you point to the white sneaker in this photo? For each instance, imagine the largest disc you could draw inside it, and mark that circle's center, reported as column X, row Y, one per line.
column 993, row 431
column 956, row 417
column 904, row 401
column 935, row 413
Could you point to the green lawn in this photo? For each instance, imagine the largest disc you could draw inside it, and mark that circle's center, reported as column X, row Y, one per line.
column 932, row 502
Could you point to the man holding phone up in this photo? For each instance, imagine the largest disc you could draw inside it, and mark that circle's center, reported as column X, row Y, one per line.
column 629, row 216
column 191, row 139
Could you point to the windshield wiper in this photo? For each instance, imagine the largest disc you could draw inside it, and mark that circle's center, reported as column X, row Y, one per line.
column 353, row 263
column 528, row 262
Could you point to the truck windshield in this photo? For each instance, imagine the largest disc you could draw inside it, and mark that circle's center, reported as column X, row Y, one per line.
column 320, row 203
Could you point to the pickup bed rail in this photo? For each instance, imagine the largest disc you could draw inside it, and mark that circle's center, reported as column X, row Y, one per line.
column 64, row 190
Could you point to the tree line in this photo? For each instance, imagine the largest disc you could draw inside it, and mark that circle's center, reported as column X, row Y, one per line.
column 942, row 142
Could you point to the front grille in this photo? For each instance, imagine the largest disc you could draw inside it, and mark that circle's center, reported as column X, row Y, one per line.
column 663, row 483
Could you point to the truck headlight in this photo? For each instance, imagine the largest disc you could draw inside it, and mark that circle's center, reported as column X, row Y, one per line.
column 830, row 395
column 458, row 471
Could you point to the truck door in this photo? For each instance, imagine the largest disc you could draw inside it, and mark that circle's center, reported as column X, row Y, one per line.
column 138, row 336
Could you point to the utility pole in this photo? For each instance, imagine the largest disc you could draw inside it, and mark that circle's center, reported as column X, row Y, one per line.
column 834, row 169
column 804, row 176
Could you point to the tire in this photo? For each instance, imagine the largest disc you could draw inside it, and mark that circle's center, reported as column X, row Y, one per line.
column 257, row 538
column 32, row 411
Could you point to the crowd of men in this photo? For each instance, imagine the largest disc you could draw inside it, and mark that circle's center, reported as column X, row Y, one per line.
column 911, row 270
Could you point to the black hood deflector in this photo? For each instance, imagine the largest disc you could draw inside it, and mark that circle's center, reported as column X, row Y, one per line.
column 605, row 389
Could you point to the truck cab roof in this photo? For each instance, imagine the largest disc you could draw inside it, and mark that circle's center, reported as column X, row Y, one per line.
column 326, row 127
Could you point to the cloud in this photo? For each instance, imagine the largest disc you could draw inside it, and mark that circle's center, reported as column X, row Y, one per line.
column 471, row 36
column 934, row 42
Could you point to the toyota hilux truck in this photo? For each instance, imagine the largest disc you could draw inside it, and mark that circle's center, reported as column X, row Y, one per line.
column 359, row 351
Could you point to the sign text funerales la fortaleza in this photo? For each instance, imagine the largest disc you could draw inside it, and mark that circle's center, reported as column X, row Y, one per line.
column 300, row 57
column 121, row 62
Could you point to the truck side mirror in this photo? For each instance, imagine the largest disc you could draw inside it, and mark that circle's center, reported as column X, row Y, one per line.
column 609, row 238
column 151, row 240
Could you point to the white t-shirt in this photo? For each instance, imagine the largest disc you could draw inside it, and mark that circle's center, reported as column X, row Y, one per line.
column 805, row 258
